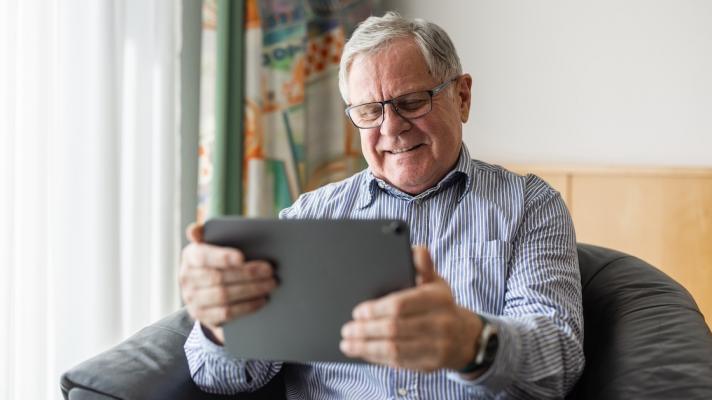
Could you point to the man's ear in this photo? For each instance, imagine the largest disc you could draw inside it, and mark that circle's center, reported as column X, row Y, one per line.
column 464, row 96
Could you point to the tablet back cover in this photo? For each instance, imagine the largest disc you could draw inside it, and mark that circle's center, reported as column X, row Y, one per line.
column 325, row 268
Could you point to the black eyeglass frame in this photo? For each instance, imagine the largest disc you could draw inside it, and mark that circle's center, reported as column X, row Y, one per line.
column 394, row 103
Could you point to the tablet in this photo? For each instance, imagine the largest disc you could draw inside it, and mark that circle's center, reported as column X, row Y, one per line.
column 324, row 269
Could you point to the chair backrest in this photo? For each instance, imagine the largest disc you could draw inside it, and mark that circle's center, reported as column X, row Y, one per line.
column 644, row 337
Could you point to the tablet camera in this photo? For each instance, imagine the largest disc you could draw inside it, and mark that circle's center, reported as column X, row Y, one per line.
column 393, row 227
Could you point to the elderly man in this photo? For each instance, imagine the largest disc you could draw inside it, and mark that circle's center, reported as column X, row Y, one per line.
column 496, row 311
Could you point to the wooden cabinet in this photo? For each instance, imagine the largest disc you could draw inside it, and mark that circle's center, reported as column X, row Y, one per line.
column 663, row 216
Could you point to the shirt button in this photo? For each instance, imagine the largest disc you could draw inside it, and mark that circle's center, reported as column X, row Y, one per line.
column 402, row 391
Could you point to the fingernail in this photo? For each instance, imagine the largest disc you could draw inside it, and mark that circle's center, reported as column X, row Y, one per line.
column 345, row 346
column 233, row 259
column 264, row 269
column 256, row 271
column 346, row 331
column 359, row 312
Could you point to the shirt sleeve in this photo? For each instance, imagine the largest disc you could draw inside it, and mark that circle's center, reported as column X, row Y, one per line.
column 540, row 332
column 214, row 370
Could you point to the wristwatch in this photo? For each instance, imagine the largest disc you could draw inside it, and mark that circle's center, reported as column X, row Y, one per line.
column 487, row 345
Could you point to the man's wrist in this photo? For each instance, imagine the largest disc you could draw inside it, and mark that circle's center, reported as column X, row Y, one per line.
column 210, row 334
column 485, row 348
column 469, row 332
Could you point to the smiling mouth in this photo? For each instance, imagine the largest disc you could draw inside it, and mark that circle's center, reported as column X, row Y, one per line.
column 404, row 149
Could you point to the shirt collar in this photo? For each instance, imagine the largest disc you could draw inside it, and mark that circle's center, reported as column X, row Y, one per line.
column 462, row 173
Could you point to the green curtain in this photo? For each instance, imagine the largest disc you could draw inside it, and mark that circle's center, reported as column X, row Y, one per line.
column 226, row 190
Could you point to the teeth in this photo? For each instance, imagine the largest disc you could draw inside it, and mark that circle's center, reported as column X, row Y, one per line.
column 397, row 151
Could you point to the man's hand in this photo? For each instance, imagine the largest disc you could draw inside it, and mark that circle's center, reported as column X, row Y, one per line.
column 218, row 285
column 421, row 328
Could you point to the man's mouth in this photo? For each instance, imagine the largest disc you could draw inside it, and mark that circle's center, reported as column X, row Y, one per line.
column 404, row 149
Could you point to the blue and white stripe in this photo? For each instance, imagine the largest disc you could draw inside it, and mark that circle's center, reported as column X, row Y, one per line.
column 506, row 245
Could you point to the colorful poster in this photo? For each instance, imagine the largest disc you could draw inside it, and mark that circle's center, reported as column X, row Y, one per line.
column 296, row 136
column 295, row 111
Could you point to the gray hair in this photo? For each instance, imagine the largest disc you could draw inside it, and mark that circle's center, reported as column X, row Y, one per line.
column 376, row 33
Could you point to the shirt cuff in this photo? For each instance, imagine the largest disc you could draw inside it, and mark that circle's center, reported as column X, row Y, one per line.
column 200, row 339
column 502, row 373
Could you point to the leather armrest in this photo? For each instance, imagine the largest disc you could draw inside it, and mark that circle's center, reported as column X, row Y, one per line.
column 149, row 365
column 645, row 338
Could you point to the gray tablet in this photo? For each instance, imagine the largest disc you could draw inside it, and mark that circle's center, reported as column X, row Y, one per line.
column 325, row 268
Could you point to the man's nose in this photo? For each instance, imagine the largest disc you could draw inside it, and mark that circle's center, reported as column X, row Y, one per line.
column 393, row 123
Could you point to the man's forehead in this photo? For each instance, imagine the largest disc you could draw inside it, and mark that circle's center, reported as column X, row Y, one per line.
column 395, row 69
column 397, row 55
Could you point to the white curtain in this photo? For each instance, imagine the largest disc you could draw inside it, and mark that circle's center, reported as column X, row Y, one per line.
column 89, row 181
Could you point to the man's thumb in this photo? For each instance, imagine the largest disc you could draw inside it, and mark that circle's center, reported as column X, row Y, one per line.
column 194, row 232
column 424, row 268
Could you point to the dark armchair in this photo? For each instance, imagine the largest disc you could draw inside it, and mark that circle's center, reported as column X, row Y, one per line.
column 644, row 339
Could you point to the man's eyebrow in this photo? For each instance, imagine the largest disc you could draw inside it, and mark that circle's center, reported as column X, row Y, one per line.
column 414, row 90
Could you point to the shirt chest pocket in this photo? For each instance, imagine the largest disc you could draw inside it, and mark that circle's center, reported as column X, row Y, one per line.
column 477, row 272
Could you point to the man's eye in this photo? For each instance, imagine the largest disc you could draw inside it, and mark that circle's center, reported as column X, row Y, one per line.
column 412, row 104
column 369, row 113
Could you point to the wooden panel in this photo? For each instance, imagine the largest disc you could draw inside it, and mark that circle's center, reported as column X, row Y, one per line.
column 559, row 182
column 663, row 218
column 662, row 215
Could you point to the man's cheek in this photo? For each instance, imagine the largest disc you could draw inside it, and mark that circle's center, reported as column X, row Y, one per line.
column 369, row 145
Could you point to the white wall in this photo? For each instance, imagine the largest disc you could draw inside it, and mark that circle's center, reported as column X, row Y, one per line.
column 606, row 82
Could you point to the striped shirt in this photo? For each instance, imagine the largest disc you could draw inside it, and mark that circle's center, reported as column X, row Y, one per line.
column 506, row 245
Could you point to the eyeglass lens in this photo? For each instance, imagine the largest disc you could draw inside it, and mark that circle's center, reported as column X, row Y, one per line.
column 409, row 106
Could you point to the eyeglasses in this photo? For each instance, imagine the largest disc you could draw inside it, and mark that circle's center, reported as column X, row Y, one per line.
column 409, row 106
